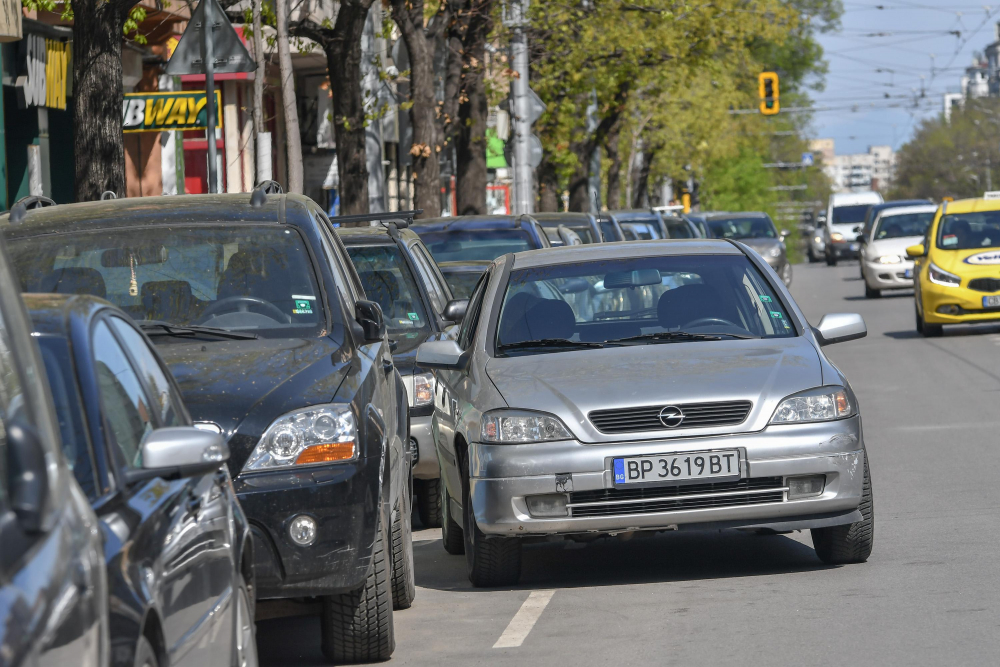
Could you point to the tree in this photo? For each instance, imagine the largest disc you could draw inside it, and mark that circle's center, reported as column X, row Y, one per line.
column 292, row 136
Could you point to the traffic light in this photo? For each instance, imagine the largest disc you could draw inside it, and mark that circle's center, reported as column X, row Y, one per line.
column 768, row 86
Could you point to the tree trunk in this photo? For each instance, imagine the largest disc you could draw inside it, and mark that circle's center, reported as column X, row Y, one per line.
column 258, row 83
column 98, row 142
column 548, row 186
column 640, row 198
column 293, row 137
column 611, row 147
column 427, row 145
column 470, row 147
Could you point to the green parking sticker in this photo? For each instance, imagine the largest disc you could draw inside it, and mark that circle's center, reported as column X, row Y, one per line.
column 302, row 307
column 413, row 316
column 765, row 298
column 776, row 315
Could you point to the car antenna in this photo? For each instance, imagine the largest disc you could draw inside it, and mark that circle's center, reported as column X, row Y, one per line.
column 597, row 205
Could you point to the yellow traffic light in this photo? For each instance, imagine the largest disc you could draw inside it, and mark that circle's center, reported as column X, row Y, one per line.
column 768, row 88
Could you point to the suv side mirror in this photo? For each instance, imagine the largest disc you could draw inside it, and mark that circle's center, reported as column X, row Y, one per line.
column 860, row 238
column 369, row 316
column 29, row 479
column 455, row 310
column 176, row 452
column 840, row 328
column 441, row 354
column 915, row 251
column 784, row 233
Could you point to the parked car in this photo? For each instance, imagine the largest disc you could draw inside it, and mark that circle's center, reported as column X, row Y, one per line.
column 463, row 276
column 716, row 406
column 397, row 272
column 698, row 220
column 479, row 237
column 53, row 590
column 884, row 264
column 645, row 225
column 587, row 226
column 757, row 230
column 159, row 486
column 258, row 312
column 845, row 216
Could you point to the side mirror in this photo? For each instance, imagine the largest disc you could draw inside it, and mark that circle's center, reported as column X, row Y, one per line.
column 860, row 238
column 27, row 475
column 369, row 316
column 455, row 310
column 441, row 354
column 840, row 328
column 784, row 233
column 176, row 452
column 857, row 230
column 915, row 251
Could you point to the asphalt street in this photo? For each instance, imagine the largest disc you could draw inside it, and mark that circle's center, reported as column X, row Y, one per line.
column 927, row 596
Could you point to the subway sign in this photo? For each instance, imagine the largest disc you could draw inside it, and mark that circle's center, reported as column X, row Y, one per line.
column 156, row 112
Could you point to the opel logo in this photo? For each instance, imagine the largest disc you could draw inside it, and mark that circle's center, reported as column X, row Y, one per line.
column 671, row 416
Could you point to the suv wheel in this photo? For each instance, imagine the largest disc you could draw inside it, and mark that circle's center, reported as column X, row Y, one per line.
column 403, row 589
column 492, row 562
column 357, row 626
column 451, row 532
column 852, row 543
column 428, row 492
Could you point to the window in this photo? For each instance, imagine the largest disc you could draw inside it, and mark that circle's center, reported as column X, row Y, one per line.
column 902, row 225
column 341, row 276
column 475, row 244
column 742, row 228
column 640, row 231
column 167, row 402
column 425, row 257
column 127, row 410
column 388, row 280
column 468, row 330
column 967, row 231
column 678, row 229
column 429, row 280
column 850, row 215
column 608, row 231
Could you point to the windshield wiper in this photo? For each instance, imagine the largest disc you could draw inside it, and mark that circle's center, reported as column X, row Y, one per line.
column 549, row 342
column 161, row 329
column 676, row 337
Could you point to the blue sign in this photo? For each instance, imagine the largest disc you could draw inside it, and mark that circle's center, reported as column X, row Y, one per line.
column 807, row 159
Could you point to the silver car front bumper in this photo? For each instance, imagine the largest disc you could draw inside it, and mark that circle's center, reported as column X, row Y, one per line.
column 427, row 464
column 503, row 475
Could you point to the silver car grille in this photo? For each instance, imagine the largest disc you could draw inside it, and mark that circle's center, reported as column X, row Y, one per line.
column 647, row 418
column 647, row 500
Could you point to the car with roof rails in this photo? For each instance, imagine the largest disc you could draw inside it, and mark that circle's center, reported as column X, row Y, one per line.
column 463, row 276
column 648, row 224
column 159, row 486
column 53, row 582
column 589, row 227
column 257, row 310
column 479, row 237
column 397, row 272
column 757, row 230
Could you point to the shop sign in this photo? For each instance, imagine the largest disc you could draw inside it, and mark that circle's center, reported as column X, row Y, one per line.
column 44, row 64
column 156, row 112
column 10, row 20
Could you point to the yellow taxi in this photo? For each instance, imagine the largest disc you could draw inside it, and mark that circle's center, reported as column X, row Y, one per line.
column 957, row 267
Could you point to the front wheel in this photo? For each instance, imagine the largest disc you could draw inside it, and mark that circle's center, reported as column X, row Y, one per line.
column 428, row 493
column 831, row 260
column 872, row 293
column 403, row 587
column 928, row 330
column 852, row 543
column 492, row 562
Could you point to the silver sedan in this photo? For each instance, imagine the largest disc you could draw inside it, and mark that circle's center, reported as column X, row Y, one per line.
column 664, row 385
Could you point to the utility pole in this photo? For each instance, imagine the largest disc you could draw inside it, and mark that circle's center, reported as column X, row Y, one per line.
column 523, row 196
column 208, row 57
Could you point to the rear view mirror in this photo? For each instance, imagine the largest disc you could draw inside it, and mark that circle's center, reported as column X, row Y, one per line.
column 637, row 278
column 915, row 251
column 369, row 316
column 574, row 286
column 840, row 328
column 455, row 310
column 176, row 452
column 441, row 354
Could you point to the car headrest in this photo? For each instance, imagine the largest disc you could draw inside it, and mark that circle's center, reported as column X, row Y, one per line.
column 550, row 318
column 74, row 280
column 688, row 303
column 165, row 299
column 380, row 286
column 514, row 326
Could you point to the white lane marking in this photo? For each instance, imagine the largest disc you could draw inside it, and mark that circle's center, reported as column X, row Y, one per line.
column 948, row 427
column 524, row 620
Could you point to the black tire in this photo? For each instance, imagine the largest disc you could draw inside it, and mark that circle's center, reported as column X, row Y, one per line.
column 852, row 543
column 357, row 626
column 451, row 532
column 492, row 562
column 145, row 656
column 872, row 293
column 831, row 261
column 403, row 587
column 812, row 255
column 928, row 330
column 245, row 639
column 428, row 493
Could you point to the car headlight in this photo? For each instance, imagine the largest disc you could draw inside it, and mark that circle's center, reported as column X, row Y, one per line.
column 313, row 435
column 521, row 426
column 890, row 259
column 818, row 239
column 423, row 390
column 939, row 276
column 774, row 252
column 836, row 236
column 816, row 405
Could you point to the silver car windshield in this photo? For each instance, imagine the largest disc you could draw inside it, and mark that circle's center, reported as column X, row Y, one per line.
column 638, row 301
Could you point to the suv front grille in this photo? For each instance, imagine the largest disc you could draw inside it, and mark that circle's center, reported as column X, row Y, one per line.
column 646, row 500
column 647, row 418
column 985, row 284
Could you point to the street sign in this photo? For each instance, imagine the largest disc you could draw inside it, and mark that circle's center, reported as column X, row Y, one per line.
column 230, row 55
column 535, row 150
column 536, row 107
column 808, row 160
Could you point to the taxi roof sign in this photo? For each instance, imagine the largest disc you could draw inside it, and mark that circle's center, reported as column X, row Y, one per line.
column 993, row 194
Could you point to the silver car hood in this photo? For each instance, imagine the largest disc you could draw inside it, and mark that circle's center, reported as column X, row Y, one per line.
column 572, row 384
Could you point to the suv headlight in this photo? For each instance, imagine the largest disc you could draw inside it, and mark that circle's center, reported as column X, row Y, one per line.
column 423, row 390
column 774, row 252
column 939, row 276
column 310, row 436
column 521, row 426
column 815, row 405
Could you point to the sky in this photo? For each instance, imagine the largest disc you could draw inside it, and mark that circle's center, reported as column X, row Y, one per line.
column 884, row 55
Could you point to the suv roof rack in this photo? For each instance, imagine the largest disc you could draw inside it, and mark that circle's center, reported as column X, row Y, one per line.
column 403, row 219
column 29, row 203
column 259, row 196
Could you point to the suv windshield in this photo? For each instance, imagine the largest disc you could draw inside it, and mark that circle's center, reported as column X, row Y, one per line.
column 387, row 279
column 849, row 215
column 488, row 244
column 640, row 231
column 234, row 277
column 638, row 301
column 742, row 228
column 966, row 231
column 903, row 225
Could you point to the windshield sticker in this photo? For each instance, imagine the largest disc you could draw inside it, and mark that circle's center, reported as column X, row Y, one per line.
column 775, row 314
column 765, row 298
column 992, row 257
column 302, row 307
column 949, row 239
column 413, row 316
column 303, row 296
column 787, row 325
column 405, row 323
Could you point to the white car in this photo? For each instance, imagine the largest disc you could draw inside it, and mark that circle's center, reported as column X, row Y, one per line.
column 845, row 216
column 884, row 264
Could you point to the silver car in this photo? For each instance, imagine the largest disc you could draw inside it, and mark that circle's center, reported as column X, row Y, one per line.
column 757, row 231
column 645, row 386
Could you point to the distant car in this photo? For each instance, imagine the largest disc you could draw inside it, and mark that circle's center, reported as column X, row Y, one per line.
column 590, row 228
column 872, row 216
column 884, row 264
column 176, row 542
column 397, row 272
column 647, row 225
column 698, row 220
column 53, row 589
column 757, row 231
column 845, row 217
column 816, row 247
column 463, row 276
column 480, row 237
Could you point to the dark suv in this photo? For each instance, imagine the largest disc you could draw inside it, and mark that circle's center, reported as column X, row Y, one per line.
column 397, row 271
column 259, row 314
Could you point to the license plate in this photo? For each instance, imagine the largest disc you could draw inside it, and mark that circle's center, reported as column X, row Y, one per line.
column 855, row 246
column 908, row 273
column 670, row 468
column 991, row 302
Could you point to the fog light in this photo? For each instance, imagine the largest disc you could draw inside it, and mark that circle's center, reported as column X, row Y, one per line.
column 805, row 486
column 302, row 530
column 553, row 504
column 950, row 309
column 414, row 451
